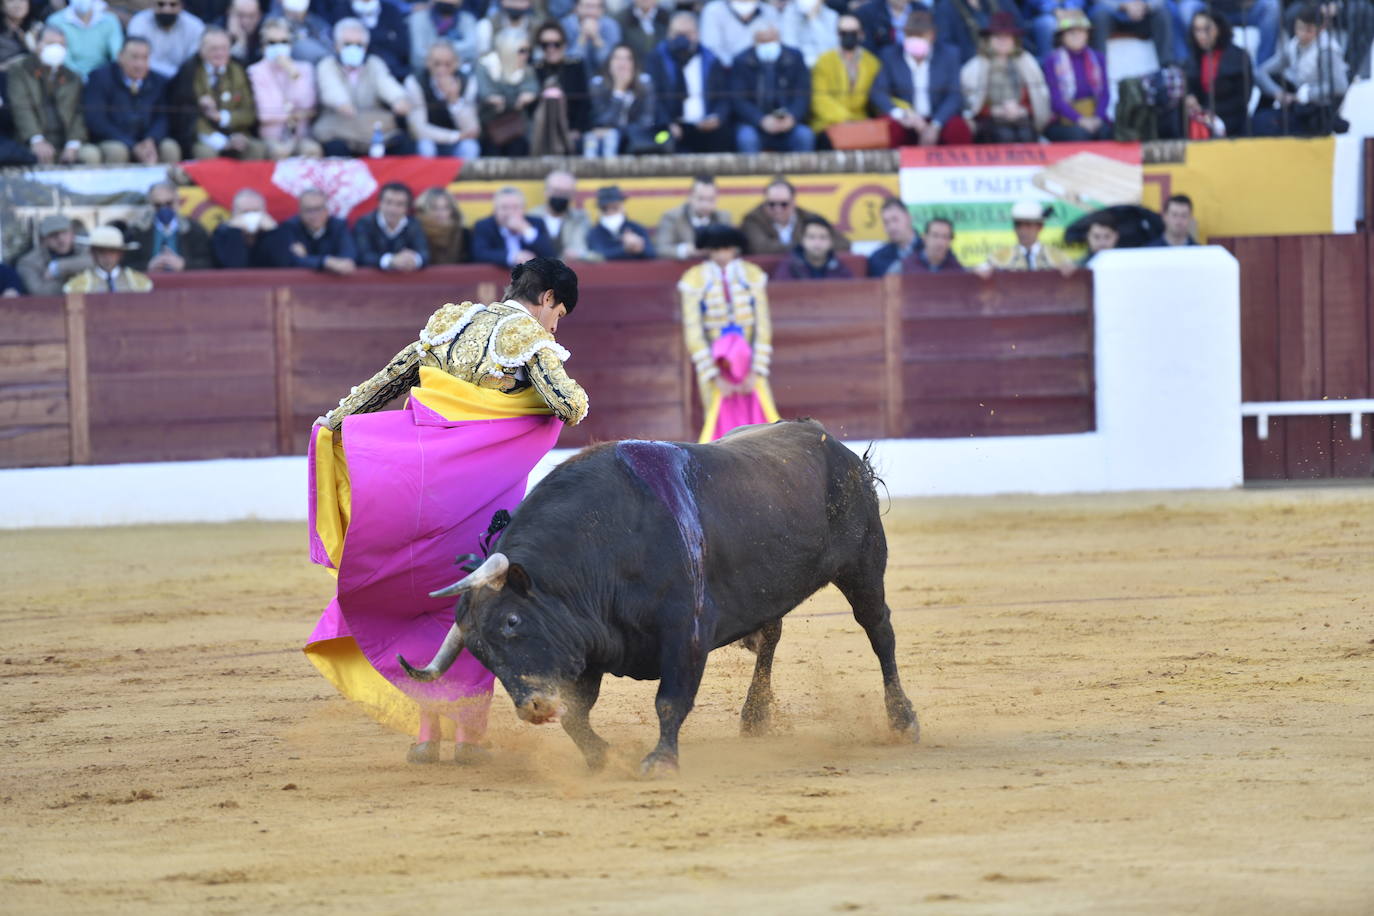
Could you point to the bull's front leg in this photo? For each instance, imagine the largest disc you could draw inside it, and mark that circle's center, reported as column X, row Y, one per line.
column 581, row 697
column 683, row 662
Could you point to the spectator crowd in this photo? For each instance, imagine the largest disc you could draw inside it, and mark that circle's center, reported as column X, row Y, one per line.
column 160, row 80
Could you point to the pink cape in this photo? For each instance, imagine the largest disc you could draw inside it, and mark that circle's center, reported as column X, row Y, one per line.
column 424, row 490
column 733, row 356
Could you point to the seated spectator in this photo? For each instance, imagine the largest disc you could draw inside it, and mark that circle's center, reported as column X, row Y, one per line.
column 1077, row 77
column 312, row 37
column 247, row 238
column 843, row 79
column 213, row 100
column 643, row 26
column 771, row 90
column 1262, row 15
column 918, row 87
column 1029, row 253
column 934, row 254
column 442, row 223
column 1350, row 23
column 283, row 95
column 94, row 35
column 615, row 237
column 1102, row 236
column 165, row 242
column 965, row 23
column 1178, row 223
column 243, row 22
column 591, row 33
column 388, row 35
column 126, row 110
column 677, row 231
column 107, row 274
column 358, row 96
column 622, row 109
column 446, row 20
column 172, row 33
column 314, row 240
column 1004, row 89
column 44, row 98
column 1147, row 19
column 388, row 238
column 1042, row 18
column 1219, row 80
column 17, row 36
column 47, row 267
column 1307, row 78
column 12, row 152
column 811, row 27
column 814, row 258
column 11, row 284
column 692, row 88
column 506, row 92
column 727, row 26
column 884, row 21
column 563, row 83
column 774, row 226
column 442, row 119
column 902, row 240
column 509, row 237
column 566, row 221
column 507, row 14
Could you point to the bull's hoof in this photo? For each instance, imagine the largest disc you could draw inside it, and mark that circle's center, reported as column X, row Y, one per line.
column 466, row 754
column 424, row 752
column 596, row 759
column 907, row 727
column 755, row 723
column 658, row 764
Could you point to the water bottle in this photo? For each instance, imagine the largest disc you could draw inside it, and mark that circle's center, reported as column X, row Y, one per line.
column 377, row 149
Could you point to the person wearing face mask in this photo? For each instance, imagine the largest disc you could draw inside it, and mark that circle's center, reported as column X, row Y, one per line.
column 212, row 101
column 918, row 88
column 247, row 238
column 167, row 242
column 615, row 237
column 44, row 96
column 284, row 93
column 567, row 223
column 171, row 32
column 692, row 88
column 94, row 35
column 643, row 24
column 727, row 26
column 771, row 90
column 811, row 27
column 842, row 78
column 311, row 37
column 444, row 19
column 387, row 30
column 358, row 95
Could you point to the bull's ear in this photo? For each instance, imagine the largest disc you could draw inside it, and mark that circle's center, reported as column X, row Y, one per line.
column 518, row 580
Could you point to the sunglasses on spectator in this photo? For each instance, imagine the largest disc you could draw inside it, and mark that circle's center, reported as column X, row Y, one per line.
column 523, row 51
column 550, row 44
column 169, row 5
column 779, row 204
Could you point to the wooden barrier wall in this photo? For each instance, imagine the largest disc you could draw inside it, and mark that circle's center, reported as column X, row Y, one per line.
column 1307, row 316
column 238, row 364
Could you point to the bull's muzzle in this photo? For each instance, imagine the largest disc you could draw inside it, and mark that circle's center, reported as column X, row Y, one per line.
column 539, row 708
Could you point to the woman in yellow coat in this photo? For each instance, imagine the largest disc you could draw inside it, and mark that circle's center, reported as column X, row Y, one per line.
column 842, row 78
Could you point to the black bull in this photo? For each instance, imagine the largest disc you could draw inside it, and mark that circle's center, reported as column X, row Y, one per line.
column 638, row 558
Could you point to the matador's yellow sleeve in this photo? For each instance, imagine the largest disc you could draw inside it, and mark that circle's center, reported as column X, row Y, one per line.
column 520, row 340
column 763, row 324
column 401, row 374
column 690, row 288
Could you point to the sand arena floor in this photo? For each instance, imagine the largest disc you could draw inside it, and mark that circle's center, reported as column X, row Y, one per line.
column 1137, row 704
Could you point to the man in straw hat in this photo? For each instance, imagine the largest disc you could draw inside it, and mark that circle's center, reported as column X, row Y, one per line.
column 108, row 275
column 1029, row 253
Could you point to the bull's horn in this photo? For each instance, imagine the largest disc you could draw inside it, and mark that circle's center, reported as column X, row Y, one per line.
column 491, row 573
column 448, row 652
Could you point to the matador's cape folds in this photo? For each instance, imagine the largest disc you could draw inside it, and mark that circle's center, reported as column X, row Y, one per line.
column 391, row 507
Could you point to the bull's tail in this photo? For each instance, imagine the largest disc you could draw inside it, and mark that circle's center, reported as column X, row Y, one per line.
column 870, row 474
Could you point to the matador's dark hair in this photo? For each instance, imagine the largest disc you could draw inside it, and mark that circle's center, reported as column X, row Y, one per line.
column 528, row 282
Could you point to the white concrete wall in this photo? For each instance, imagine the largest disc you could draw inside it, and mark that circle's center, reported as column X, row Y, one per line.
column 1167, row 326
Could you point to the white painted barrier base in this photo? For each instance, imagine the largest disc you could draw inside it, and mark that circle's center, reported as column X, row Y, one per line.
column 1167, row 328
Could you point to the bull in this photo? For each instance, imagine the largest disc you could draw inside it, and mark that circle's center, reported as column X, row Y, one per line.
column 638, row 558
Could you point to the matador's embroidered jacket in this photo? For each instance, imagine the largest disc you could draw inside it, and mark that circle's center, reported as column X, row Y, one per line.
column 500, row 346
column 714, row 300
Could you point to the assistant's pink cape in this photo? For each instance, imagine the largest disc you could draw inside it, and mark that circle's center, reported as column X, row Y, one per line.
column 733, row 357
column 417, row 491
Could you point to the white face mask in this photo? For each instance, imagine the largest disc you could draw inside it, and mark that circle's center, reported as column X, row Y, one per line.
column 251, row 221
column 53, row 55
column 82, row 7
column 276, row 51
column 613, row 223
column 744, row 8
column 295, row 6
column 808, row 7
column 366, row 7
column 352, row 55
column 769, row 51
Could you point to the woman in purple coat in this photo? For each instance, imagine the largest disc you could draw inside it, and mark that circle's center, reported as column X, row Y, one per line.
column 1077, row 77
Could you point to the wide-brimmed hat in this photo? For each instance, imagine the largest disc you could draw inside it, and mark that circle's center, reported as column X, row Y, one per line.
column 53, row 223
column 1002, row 23
column 714, row 236
column 1028, row 211
column 610, row 194
column 1072, row 19
column 108, row 237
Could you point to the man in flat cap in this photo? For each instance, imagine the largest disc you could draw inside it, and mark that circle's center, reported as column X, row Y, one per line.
column 54, row 260
column 615, row 237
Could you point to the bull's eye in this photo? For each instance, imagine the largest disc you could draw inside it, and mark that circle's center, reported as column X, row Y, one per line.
column 512, row 622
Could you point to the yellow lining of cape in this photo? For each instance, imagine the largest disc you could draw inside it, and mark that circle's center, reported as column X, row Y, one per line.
column 770, row 410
